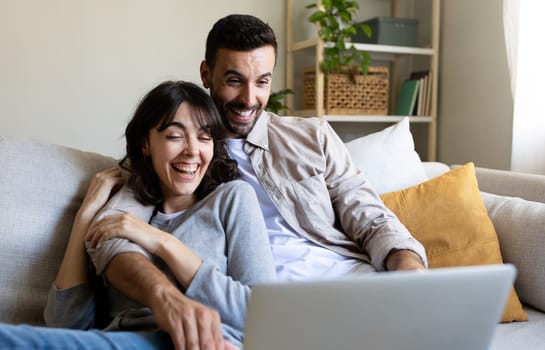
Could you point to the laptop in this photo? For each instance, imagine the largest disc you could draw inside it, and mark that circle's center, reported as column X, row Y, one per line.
column 439, row 309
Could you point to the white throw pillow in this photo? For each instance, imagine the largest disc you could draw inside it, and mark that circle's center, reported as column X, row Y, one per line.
column 388, row 158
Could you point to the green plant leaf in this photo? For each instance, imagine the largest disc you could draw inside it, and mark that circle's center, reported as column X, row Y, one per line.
column 275, row 103
column 316, row 16
column 366, row 29
column 334, row 19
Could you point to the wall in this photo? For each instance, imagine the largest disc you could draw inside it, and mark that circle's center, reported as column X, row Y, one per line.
column 72, row 71
column 475, row 103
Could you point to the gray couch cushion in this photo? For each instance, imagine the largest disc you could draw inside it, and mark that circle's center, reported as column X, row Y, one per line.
column 42, row 187
column 520, row 226
column 520, row 335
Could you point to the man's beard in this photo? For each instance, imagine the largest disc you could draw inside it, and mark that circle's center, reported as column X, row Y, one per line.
column 239, row 130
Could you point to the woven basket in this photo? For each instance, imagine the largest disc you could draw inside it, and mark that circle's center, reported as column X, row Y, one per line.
column 367, row 95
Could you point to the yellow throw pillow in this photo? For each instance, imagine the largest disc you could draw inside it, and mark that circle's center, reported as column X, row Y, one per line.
column 448, row 216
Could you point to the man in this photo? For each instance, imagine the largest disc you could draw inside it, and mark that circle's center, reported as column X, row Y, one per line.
column 323, row 217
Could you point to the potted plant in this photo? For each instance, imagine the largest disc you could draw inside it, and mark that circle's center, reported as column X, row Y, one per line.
column 336, row 28
column 276, row 103
column 346, row 90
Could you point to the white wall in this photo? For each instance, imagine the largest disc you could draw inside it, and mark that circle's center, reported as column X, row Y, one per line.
column 475, row 103
column 72, row 71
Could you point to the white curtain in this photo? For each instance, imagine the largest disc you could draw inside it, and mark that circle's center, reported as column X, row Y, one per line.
column 525, row 44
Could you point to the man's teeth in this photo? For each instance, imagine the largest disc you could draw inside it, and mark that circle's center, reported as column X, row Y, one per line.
column 244, row 113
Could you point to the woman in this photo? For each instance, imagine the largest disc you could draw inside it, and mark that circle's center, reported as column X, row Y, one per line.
column 206, row 232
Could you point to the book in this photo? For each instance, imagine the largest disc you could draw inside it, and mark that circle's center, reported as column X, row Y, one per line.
column 406, row 100
column 420, row 101
column 424, row 94
column 429, row 94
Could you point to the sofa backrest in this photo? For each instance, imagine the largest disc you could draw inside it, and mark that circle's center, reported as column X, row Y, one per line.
column 41, row 188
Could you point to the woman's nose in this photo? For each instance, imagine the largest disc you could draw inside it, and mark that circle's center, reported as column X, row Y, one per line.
column 191, row 147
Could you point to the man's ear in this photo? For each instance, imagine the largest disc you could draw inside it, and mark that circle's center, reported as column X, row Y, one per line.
column 205, row 74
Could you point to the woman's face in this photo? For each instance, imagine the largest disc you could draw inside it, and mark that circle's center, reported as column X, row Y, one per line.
column 180, row 156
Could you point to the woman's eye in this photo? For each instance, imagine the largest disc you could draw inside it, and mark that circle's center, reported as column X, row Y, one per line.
column 174, row 137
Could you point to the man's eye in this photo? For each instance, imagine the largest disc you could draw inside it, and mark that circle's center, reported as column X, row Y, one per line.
column 233, row 81
column 174, row 137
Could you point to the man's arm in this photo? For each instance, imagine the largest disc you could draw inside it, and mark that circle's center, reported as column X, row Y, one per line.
column 404, row 259
column 189, row 324
column 362, row 214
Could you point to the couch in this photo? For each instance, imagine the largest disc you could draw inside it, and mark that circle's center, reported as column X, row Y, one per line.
column 42, row 185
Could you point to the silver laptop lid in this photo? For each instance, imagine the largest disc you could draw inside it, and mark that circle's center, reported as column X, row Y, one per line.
column 446, row 309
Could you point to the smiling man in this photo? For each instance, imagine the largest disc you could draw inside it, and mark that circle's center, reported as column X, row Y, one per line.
column 322, row 216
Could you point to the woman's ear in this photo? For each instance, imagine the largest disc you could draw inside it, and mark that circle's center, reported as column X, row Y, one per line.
column 145, row 149
column 205, row 74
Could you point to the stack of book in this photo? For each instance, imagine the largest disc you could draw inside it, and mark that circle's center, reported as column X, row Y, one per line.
column 414, row 96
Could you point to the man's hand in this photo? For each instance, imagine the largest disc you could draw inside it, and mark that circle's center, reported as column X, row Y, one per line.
column 190, row 324
column 404, row 259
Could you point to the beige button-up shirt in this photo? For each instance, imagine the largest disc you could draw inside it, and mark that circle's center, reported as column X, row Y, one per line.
column 307, row 171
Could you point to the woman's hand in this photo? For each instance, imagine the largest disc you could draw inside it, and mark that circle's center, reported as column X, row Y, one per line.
column 102, row 186
column 73, row 268
column 126, row 226
column 181, row 260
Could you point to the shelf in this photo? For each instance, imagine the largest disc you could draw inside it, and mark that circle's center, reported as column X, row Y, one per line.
column 304, row 44
column 399, row 50
column 398, row 58
column 363, row 118
column 374, row 119
column 371, row 48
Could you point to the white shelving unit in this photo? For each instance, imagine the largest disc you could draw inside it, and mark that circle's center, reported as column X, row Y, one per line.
column 385, row 52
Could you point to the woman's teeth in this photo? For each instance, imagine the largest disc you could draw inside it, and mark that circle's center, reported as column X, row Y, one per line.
column 186, row 168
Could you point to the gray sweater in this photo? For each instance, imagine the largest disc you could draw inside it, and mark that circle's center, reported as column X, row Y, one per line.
column 225, row 229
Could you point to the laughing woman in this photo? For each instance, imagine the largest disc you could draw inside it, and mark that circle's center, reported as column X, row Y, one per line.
column 204, row 230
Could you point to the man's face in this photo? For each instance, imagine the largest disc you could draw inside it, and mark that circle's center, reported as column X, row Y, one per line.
column 240, row 84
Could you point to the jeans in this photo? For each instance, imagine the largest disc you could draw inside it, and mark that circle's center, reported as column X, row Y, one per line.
column 25, row 337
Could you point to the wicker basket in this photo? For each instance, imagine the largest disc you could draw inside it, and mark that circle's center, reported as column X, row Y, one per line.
column 367, row 95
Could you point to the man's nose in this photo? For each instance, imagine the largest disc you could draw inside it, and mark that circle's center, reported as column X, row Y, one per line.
column 248, row 95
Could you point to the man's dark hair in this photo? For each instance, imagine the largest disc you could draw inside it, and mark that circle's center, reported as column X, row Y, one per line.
column 240, row 33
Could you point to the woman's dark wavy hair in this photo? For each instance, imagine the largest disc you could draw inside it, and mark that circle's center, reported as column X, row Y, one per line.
column 239, row 33
column 156, row 110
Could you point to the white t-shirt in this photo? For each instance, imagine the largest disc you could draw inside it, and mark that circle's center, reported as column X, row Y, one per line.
column 295, row 257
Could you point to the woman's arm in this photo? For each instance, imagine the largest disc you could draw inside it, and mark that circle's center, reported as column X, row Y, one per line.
column 179, row 258
column 249, row 261
column 70, row 289
column 73, row 268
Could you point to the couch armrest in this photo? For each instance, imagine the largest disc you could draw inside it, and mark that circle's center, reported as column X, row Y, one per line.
column 520, row 226
column 510, row 183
